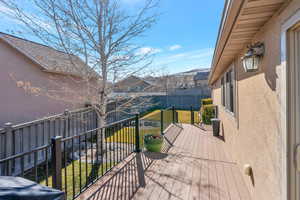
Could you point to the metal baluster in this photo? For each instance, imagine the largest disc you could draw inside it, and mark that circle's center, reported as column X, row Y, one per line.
column 86, row 165
column 106, row 149
column 114, row 144
column 128, row 137
column 161, row 122
column 122, row 139
column 102, row 165
column 65, row 165
column 110, row 157
column 118, row 143
column 97, row 152
column 80, row 181
column 73, row 169
column 92, row 161
column 132, row 136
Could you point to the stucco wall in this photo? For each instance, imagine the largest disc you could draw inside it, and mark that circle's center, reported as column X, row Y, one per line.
column 18, row 105
column 253, row 135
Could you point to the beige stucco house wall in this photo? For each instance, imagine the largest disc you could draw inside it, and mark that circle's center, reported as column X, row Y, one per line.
column 55, row 91
column 254, row 133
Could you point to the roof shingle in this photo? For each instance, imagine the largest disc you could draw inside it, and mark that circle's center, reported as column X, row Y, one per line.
column 48, row 58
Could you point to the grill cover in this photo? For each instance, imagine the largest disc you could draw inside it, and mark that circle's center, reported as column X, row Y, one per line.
column 17, row 188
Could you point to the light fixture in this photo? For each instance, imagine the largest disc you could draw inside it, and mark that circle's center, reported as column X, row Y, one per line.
column 253, row 56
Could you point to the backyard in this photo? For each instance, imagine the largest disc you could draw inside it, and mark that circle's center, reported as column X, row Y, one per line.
column 79, row 173
column 125, row 135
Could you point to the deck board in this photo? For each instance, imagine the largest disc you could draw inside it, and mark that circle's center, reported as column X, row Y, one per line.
column 196, row 166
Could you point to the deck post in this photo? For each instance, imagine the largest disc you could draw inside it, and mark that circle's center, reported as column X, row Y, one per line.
column 173, row 114
column 137, row 134
column 56, row 162
column 192, row 115
column 161, row 122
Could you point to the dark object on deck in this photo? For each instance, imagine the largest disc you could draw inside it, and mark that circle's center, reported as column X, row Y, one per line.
column 18, row 188
column 216, row 126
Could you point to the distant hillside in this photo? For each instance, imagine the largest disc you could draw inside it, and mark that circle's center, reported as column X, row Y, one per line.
column 193, row 72
column 191, row 82
column 186, row 82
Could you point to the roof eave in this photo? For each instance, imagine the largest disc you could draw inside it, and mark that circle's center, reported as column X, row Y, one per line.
column 244, row 20
column 228, row 12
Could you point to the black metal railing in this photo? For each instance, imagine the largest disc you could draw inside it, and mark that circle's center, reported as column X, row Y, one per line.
column 168, row 116
column 195, row 116
column 72, row 163
column 97, row 152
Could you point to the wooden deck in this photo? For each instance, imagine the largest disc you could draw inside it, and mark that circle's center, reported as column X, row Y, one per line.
column 194, row 167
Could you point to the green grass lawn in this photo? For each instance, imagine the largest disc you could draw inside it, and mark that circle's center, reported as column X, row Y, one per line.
column 92, row 172
column 126, row 135
column 184, row 116
column 154, row 115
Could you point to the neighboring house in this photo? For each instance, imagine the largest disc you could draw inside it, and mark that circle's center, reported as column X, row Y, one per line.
column 259, row 110
column 37, row 80
column 133, row 84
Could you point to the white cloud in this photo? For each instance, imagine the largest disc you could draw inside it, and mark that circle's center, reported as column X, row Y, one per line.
column 148, row 50
column 175, row 47
column 200, row 57
column 10, row 15
column 6, row 10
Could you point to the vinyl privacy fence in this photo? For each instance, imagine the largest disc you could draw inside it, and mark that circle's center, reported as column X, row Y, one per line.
column 16, row 139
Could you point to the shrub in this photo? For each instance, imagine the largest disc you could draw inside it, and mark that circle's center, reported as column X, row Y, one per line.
column 208, row 112
column 207, row 101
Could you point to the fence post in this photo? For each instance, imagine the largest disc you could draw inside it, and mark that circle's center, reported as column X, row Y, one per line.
column 66, row 124
column 9, row 146
column 137, row 134
column 173, row 114
column 192, row 115
column 56, row 162
column 161, row 122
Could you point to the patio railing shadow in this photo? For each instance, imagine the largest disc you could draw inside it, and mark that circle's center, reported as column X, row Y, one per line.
column 130, row 176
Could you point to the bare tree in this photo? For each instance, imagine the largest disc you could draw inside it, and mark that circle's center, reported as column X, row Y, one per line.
column 100, row 32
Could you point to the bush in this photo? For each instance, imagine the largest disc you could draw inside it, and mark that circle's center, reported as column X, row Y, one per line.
column 207, row 101
column 208, row 112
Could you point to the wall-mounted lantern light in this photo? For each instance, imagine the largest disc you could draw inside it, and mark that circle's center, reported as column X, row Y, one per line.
column 253, row 56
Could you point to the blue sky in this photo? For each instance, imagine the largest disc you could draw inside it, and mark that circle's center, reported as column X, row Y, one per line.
column 184, row 36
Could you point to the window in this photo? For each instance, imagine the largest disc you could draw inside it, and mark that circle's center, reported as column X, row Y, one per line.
column 223, row 91
column 227, row 87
